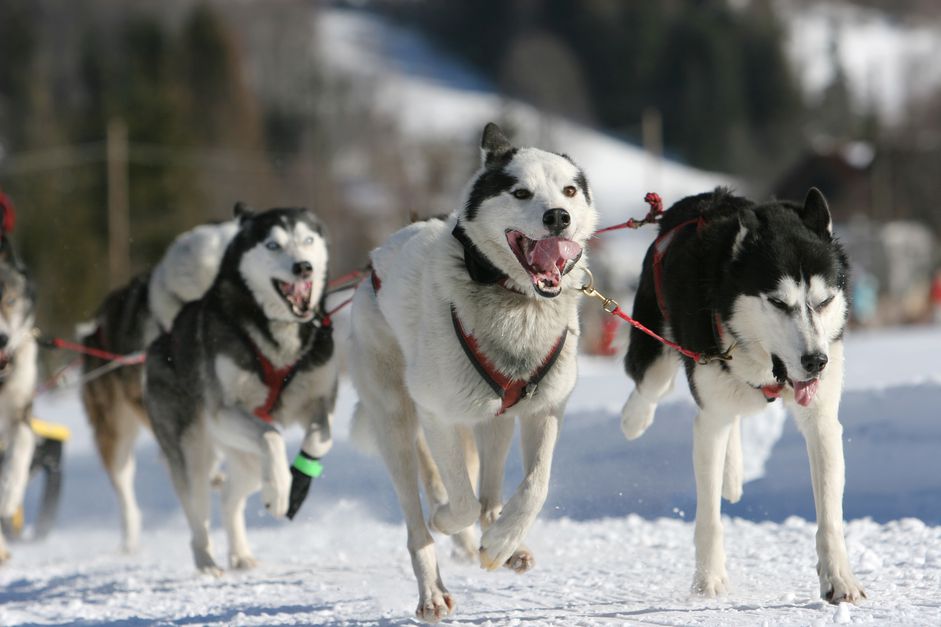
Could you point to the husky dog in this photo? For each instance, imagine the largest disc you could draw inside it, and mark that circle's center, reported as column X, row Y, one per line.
column 469, row 321
column 768, row 284
column 254, row 354
column 17, row 382
column 126, row 322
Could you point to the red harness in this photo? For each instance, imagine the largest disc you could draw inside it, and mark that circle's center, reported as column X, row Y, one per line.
column 660, row 246
column 276, row 379
column 510, row 391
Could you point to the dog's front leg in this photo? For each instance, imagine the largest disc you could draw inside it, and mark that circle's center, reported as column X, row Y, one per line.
column 21, row 442
column 448, row 450
column 306, row 466
column 710, row 438
column 538, row 435
column 824, row 436
column 245, row 432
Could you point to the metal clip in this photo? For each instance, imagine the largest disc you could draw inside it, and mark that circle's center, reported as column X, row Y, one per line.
column 608, row 304
column 530, row 389
column 723, row 356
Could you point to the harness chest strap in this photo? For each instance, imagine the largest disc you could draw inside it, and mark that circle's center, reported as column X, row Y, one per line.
column 275, row 379
column 510, row 391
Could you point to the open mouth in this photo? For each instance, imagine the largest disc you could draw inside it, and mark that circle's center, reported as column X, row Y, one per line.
column 545, row 260
column 296, row 295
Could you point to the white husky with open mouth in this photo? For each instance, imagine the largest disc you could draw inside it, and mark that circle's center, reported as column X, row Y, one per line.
column 469, row 321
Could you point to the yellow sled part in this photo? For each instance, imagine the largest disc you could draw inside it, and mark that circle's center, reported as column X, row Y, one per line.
column 49, row 430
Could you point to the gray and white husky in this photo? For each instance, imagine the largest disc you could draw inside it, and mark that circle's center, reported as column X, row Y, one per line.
column 468, row 322
column 127, row 321
column 766, row 282
column 17, row 382
column 254, row 355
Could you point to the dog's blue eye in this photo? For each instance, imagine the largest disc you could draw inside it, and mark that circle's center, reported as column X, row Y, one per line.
column 780, row 304
column 272, row 245
column 308, row 241
column 522, row 194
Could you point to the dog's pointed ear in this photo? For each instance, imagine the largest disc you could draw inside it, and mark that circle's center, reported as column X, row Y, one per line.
column 494, row 145
column 816, row 213
column 242, row 211
column 747, row 223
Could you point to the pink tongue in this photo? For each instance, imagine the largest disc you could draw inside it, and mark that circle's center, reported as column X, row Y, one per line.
column 552, row 253
column 804, row 391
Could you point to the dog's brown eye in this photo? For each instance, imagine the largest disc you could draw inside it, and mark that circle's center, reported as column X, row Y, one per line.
column 522, row 194
column 569, row 190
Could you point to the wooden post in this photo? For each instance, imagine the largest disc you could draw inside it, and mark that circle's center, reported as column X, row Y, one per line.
column 119, row 227
column 652, row 136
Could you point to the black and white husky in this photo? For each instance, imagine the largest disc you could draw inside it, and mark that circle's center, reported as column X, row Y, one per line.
column 768, row 284
column 253, row 355
column 127, row 321
column 17, row 382
column 468, row 322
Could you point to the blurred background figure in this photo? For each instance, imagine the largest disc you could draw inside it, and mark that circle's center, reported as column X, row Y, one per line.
column 123, row 124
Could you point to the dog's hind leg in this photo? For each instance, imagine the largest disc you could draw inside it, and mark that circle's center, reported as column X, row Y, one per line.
column 733, row 471
column 115, row 435
column 649, row 363
column 823, row 433
column 243, row 478
column 538, row 435
column 710, row 438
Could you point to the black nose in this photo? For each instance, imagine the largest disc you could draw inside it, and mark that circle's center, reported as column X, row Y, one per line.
column 4, row 339
column 302, row 269
column 813, row 362
column 556, row 220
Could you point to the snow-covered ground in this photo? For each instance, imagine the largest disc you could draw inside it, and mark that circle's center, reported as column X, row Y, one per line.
column 614, row 543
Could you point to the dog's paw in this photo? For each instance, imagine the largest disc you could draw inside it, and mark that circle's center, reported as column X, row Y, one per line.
column 732, row 490
column 710, row 585
column 210, row 571
column 636, row 416
column 434, row 605
column 242, row 562
column 839, row 585
column 276, row 491
column 497, row 546
column 521, row 561
column 204, row 562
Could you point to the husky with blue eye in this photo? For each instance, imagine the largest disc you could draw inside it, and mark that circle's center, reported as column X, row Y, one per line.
column 468, row 322
column 765, row 284
column 252, row 356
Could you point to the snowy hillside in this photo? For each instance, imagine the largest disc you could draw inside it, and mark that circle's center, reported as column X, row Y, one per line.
column 887, row 63
column 614, row 543
column 432, row 95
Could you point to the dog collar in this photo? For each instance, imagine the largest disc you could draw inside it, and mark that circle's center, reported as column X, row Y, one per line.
column 510, row 391
column 479, row 268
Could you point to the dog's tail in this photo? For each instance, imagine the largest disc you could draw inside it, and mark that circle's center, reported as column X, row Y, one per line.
column 360, row 434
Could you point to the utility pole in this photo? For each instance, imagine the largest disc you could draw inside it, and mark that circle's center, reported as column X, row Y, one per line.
column 119, row 223
column 652, row 137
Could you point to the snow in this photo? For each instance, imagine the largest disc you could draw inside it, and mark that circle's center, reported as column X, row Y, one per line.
column 613, row 545
column 888, row 63
column 614, row 542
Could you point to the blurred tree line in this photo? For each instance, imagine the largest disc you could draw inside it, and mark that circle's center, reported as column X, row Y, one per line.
column 221, row 103
column 717, row 75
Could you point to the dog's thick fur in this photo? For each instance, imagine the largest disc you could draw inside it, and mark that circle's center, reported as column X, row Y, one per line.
column 17, row 382
column 770, row 281
column 427, row 408
column 204, row 377
column 126, row 322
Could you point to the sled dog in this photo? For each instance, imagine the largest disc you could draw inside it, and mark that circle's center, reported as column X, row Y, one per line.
column 17, row 382
column 765, row 283
column 253, row 355
column 469, row 321
column 126, row 322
